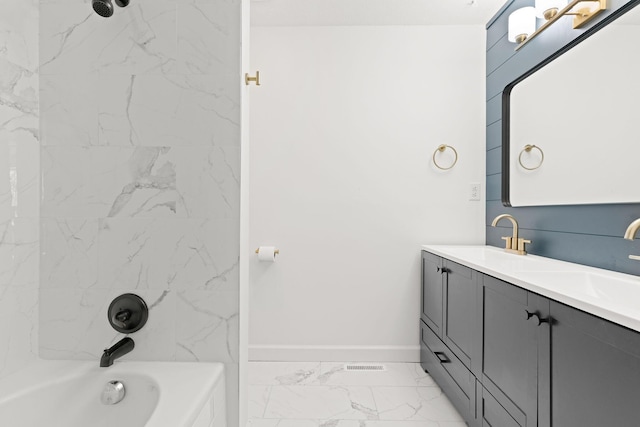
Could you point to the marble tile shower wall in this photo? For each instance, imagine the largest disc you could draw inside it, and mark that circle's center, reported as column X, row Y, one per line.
column 140, row 164
column 19, row 191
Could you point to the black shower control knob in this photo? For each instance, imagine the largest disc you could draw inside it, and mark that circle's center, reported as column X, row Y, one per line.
column 128, row 313
column 122, row 317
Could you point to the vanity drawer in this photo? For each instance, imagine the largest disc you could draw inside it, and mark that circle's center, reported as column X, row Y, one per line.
column 449, row 373
column 492, row 414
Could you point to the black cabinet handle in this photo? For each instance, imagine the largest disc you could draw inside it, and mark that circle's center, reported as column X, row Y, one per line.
column 542, row 320
column 442, row 357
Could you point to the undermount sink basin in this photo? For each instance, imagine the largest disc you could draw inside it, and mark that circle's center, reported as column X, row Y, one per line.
column 502, row 258
column 588, row 284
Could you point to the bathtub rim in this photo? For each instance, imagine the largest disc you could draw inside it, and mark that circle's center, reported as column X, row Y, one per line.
column 179, row 377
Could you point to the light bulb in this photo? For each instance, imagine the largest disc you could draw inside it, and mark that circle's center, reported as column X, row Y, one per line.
column 522, row 23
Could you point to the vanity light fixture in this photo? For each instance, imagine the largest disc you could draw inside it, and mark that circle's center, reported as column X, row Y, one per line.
column 582, row 10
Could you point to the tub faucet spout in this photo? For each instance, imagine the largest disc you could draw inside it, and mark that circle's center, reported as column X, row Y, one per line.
column 119, row 349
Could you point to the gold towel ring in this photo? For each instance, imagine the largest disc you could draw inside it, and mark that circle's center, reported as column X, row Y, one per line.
column 441, row 149
column 528, row 149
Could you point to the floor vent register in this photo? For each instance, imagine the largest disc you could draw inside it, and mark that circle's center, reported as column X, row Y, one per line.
column 359, row 367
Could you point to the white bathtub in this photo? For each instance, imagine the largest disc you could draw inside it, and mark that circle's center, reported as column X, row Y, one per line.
column 158, row 394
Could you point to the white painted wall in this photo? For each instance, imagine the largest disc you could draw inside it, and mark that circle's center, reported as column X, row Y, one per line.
column 342, row 133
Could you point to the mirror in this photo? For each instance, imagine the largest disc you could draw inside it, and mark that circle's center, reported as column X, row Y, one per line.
column 581, row 111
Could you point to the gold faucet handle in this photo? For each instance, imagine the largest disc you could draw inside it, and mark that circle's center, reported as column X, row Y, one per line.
column 634, row 257
column 521, row 243
column 508, row 242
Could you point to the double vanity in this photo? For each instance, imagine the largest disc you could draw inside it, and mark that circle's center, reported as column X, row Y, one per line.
column 522, row 340
column 530, row 341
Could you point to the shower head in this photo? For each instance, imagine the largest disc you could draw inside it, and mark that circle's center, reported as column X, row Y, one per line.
column 104, row 8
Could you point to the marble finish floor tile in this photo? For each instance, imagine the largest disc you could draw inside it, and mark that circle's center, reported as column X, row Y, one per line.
column 333, row 373
column 414, row 404
column 349, row 423
column 258, row 398
column 321, row 402
column 283, row 373
column 324, row 394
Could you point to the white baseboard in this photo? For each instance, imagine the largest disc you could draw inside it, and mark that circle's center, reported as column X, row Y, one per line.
column 321, row 353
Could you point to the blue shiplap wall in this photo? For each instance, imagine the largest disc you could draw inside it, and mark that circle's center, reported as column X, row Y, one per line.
column 585, row 234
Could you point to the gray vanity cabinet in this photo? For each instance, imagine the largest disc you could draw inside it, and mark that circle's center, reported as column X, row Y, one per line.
column 450, row 333
column 432, row 291
column 511, row 359
column 457, row 382
column 449, row 305
column 507, row 357
column 595, row 371
column 460, row 330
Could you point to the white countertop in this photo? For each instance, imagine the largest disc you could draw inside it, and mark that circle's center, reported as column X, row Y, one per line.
column 607, row 294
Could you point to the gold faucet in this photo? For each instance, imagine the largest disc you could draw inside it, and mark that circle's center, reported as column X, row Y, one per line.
column 630, row 234
column 513, row 244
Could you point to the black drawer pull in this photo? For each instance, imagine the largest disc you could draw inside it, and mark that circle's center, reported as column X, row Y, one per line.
column 530, row 314
column 442, row 357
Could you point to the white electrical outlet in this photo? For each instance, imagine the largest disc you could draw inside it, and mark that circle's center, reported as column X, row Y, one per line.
column 474, row 191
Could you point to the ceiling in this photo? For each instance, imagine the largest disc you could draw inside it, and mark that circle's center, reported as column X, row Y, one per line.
column 372, row 12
